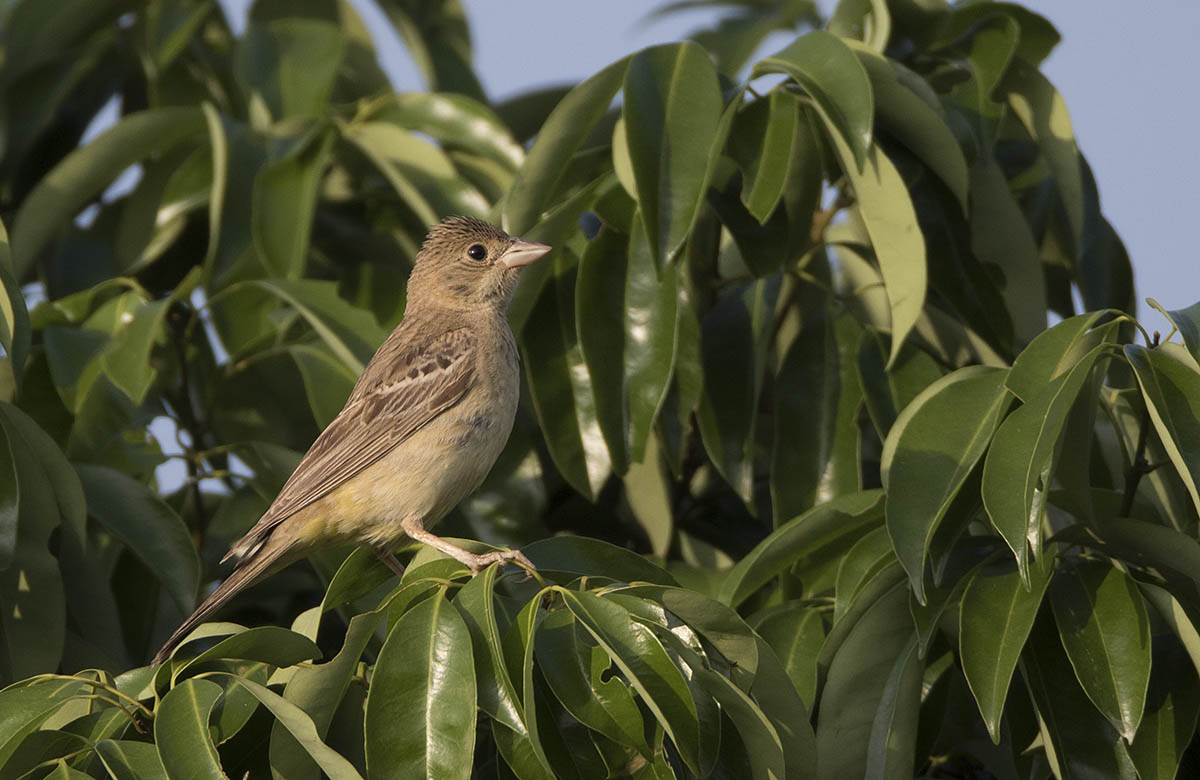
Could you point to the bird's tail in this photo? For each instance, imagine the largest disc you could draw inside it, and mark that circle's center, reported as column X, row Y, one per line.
column 265, row 560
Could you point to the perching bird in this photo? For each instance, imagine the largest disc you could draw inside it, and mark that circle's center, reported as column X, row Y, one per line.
column 421, row 429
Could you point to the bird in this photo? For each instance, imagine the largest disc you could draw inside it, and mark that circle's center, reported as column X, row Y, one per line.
column 421, row 429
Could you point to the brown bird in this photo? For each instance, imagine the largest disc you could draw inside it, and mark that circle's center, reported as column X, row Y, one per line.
column 421, row 429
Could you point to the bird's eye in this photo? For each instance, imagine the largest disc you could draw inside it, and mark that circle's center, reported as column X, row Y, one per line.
column 477, row 252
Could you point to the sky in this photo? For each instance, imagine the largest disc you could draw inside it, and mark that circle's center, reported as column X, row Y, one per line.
column 1128, row 78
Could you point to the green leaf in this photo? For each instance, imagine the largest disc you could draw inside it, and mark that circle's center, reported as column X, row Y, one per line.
column 25, row 706
column 825, row 531
column 147, row 526
column 457, row 122
column 580, row 555
column 1001, row 238
column 284, row 201
column 267, row 644
column 290, row 64
column 560, row 385
column 891, row 222
column 828, row 71
column 561, row 135
column 764, row 133
column 1186, row 321
column 420, row 715
column 126, row 361
column 735, row 339
column 10, row 500
column 995, row 616
column 869, row 555
column 1039, row 106
column 853, row 697
column 932, row 448
column 868, row 20
column 318, row 690
column 1169, row 723
column 1171, row 389
column 496, row 694
column 1078, row 741
column 576, row 669
column 625, row 316
column 818, row 403
column 301, row 727
column 129, row 760
column 1053, row 354
column 15, row 334
column 794, row 631
column 327, row 380
column 672, row 116
column 1019, row 467
column 181, row 733
column 916, row 119
column 1102, row 621
column 422, row 174
column 437, row 36
column 351, row 333
column 891, row 752
column 640, row 656
column 87, row 170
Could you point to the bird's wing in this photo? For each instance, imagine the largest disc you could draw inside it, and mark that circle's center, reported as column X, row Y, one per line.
column 402, row 389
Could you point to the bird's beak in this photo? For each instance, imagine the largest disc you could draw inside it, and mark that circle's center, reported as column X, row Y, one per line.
column 522, row 252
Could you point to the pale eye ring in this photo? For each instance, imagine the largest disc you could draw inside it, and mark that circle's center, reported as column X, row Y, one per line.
column 477, row 252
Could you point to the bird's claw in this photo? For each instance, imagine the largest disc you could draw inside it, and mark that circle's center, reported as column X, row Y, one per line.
column 480, row 562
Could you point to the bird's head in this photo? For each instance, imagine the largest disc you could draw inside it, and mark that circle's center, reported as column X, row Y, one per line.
column 469, row 264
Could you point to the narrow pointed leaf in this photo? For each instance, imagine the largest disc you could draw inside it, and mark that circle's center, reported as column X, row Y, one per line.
column 181, row 733
column 995, row 616
column 828, row 70
column 1171, row 389
column 1102, row 621
column 932, row 448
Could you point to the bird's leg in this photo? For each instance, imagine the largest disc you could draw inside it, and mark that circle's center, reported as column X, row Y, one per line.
column 385, row 555
column 473, row 561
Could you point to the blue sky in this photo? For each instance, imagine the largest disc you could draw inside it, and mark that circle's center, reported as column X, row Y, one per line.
column 1128, row 78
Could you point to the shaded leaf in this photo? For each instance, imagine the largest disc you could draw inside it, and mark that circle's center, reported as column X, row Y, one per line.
column 932, row 448
column 1171, row 389
column 1102, row 621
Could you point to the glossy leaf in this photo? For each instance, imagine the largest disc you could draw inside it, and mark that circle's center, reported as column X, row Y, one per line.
column 855, row 684
column 905, row 111
column 995, row 616
column 765, row 131
column 350, row 333
column 734, row 342
column 826, row 529
column 625, row 317
column 129, row 760
column 1172, row 706
column 420, row 715
column 1080, row 742
column 181, row 733
column 302, row 729
column 827, row 69
column 1102, row 621
column 285, row 194
column 1187, row 321
column 672, row 115
column 1020, row 463
column 560, row 388
column 563, row 132
column 641, row 658
column 1171, row 389
column 932, row 448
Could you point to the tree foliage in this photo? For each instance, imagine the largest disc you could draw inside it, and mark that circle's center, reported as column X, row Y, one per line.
column 813, row 490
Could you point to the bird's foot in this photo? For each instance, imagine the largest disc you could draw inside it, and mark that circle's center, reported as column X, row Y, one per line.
column 477, row 563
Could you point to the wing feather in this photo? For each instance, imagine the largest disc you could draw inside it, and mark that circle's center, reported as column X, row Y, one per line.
column 402, row 389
